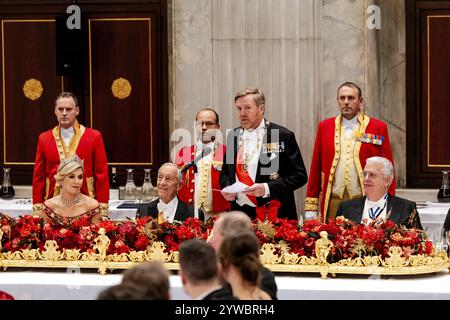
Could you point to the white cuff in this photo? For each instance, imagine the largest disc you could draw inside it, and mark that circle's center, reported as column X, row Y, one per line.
column 311, row 215
column 267, row 192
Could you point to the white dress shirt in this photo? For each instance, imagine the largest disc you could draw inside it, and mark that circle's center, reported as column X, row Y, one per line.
column 250, row 138
column 67, row 134
column 168, row 209
column 350, row 125
column 381, row 203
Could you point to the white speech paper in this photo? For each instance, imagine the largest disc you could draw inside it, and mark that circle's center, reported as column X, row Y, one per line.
column 236, row 187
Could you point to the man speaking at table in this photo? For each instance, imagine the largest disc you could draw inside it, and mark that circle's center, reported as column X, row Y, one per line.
column 265, row 157
column 65, row 140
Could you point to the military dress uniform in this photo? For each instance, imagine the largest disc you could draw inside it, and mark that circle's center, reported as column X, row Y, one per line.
column 209, row 198
column 338, row 161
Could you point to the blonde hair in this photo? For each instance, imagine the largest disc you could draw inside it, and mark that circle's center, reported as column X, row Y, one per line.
column 256, row 93
column 67, row 166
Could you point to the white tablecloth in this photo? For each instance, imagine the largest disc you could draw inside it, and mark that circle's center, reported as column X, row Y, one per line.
column 432, row 215
column 73, row 285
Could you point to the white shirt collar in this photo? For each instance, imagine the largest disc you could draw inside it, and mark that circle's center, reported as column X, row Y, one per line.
column 380, row 202
column 261, row 126
column 375, row 206
column 67, row 134
column 70, row 130
column 350, row 123
column 200, row 146
column 168, row 209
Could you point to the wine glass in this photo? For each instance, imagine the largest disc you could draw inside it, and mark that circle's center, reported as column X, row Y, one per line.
column 440, row 239
column 130, row 192
column 149, row 192
column 447, row 238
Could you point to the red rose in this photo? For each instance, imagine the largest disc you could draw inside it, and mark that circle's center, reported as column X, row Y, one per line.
column 15, row 242
column 25, row 231
column 141, row 243
column 6, row 229
column 119, row 243
column 62, row 232
column 310, row 242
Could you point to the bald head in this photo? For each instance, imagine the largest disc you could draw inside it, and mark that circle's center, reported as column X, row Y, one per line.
column 226, row 224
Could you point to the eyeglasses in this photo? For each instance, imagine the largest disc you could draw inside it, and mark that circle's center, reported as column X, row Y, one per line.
column 208, row 124
column 167, row 178
column 370, row 175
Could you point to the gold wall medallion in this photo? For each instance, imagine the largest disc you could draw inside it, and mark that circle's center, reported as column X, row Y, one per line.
column 121, row 88
column 32, row 89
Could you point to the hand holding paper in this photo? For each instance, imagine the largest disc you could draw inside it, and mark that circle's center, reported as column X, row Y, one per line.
column 230, row 192
column 236, row 187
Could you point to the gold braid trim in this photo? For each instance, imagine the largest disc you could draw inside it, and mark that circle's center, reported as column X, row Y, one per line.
column 311, row 204
column 90, row 186
column 37, row 210
column 104, row 209
column 363, row 123
column 412, row 219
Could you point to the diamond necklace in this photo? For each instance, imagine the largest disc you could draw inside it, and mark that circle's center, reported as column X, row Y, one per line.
column 72, row 202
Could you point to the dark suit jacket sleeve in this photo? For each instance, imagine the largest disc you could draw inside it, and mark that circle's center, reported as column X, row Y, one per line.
column 447, row 221
column 410, row 217
column 297, row 176
column 268, row 283
column 142, row 211
column 147, row 209
column 225, row 178
column 340, row 210
column 190, row 212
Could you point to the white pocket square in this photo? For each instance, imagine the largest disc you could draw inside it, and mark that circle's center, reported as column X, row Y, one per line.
column 273, row 156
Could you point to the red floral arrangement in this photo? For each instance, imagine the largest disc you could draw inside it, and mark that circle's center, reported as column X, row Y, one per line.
column 350, row 240
column 30, row 232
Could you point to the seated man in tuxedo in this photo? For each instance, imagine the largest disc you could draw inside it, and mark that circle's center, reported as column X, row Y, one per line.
column 378, row 204
column 199, row 271
column 167, row 207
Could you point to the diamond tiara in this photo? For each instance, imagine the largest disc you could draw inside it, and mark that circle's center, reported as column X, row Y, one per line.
column 71, row 159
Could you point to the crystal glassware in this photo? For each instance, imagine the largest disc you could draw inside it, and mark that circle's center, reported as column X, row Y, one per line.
column 7, row 190
column 130, row 192
column 149, row 192
column 444, row 191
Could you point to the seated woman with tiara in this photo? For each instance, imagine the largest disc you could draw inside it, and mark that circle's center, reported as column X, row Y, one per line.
column 71, row 205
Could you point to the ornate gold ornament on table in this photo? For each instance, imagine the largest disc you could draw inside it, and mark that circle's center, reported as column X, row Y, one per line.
column 395, row 264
